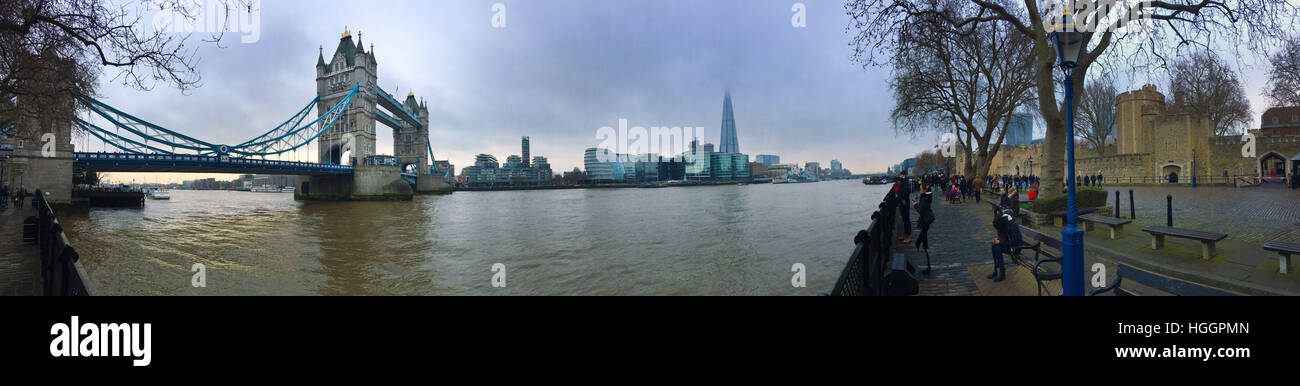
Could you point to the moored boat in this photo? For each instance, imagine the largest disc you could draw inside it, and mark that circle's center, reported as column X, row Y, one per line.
column 160, row 194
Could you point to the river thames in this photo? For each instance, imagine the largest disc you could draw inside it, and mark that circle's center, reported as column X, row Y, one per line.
column 705, row 240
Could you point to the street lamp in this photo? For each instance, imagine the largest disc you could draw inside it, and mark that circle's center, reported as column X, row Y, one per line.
column 1069, row 42
column 1031, row 166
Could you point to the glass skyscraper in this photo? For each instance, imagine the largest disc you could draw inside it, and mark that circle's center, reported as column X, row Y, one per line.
column 728, row 135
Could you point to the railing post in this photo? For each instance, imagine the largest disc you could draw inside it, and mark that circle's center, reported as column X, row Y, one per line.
column 1169, row 210
column 1116, row 204
column 1132, row 208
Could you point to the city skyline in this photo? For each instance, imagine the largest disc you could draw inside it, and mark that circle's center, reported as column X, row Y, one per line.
column 588, row 65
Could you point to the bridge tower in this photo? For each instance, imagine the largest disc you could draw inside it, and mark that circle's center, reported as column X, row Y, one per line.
column 351, row 65
column 411, row 145
column 352, row 138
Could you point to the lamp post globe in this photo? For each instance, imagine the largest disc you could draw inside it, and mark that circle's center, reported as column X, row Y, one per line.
column 1069, row 41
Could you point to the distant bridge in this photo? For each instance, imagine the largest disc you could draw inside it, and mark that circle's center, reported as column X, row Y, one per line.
column 175, row 163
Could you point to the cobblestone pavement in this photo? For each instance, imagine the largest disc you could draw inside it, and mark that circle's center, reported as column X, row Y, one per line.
column 960, row 241
column 20, row 266
column 1253, row 215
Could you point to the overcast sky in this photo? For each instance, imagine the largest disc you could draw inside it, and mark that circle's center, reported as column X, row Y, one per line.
column 558, row 72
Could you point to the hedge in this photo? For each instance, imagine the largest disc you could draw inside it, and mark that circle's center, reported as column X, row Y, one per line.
column 1087, row 197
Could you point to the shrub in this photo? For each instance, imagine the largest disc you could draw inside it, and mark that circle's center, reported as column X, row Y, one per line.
column 1088, row 198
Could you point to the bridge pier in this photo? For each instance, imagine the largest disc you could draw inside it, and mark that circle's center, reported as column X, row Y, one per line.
column 431, row 184
column 367, row 183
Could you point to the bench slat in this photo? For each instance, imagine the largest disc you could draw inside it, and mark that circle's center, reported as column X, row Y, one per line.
column 1104, row 220
column 1282, row 246
column 1036, row 236
column 1185, row 233
column 1168, row 284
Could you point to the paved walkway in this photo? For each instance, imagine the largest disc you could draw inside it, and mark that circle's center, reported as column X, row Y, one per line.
column 20, row 263
column 960, row 237
column 960, row 240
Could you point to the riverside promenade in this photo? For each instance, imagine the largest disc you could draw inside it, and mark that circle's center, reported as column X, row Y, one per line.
column 961, row 235
column 20, row 263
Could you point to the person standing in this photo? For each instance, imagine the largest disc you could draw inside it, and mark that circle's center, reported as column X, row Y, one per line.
column 1007, row 241
column 903, row 190
column 1100, row 179
column 924, row 217
column 20, row 197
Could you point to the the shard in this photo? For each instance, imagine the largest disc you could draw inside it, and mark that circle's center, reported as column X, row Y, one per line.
column 728, row 136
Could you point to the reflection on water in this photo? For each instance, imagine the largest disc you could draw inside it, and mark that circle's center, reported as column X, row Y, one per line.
column 675, row 241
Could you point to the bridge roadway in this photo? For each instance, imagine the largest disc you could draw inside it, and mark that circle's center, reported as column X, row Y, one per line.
column 169, row 163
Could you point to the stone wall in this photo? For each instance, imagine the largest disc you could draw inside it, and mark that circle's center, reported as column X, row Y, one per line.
column 31, row 168
column 1227, row 154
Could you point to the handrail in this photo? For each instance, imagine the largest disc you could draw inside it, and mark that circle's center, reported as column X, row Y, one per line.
column 61, row 269
column 863, row 274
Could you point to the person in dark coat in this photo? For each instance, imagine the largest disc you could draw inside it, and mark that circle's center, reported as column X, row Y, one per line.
column 1008, row 242
column 1014, row 201
column 20, row 196
column 924, row 217
column 903, row 190
column 1004, row 199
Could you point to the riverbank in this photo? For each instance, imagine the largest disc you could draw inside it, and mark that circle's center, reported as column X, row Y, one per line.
column 598, row 186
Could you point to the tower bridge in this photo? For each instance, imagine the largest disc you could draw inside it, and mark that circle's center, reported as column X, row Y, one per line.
column 348, row 103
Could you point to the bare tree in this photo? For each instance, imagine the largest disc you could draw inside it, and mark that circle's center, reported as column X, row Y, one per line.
column 1206, row 87
column 1096, row 112
column 51, row 49
column 1243, row 25
column 1284, row 75
column 930, row 160
column 972, row 79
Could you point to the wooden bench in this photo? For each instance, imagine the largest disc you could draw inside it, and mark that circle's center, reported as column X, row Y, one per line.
column 1116, row 224
column 1207, row 239
column 1035, row 266
column 1176, row 287
column 1062, row 214
column 1285, row 250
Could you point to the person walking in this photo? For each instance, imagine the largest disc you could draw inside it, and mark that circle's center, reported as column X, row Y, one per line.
column 924, row 217
column 903, row 191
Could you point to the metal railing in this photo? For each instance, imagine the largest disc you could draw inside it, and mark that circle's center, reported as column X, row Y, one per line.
column 864, row 273
column 1182, row 179
column 62, row 273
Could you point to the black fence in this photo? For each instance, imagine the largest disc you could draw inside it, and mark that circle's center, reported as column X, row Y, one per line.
column 864, row 275
column 1166, row 179
column 62, row 273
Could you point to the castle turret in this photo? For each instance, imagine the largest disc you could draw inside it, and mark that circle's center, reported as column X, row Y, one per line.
column 1134, row 111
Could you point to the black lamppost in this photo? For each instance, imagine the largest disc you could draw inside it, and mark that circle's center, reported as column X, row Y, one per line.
column 1031, row 166
column 1069, row 42
column 1193, row 167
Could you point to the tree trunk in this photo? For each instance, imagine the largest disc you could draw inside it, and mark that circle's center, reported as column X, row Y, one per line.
column 1053, row 158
